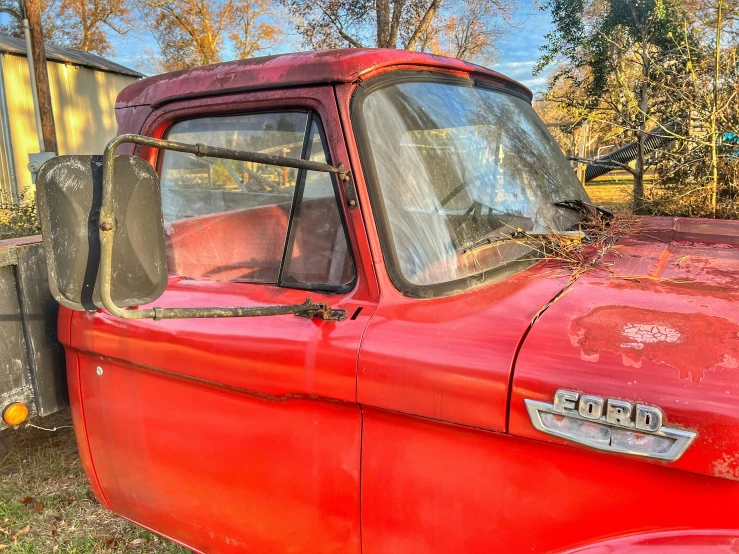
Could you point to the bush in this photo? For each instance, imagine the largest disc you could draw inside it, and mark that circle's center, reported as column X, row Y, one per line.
column 683, row 186
column 19, row 219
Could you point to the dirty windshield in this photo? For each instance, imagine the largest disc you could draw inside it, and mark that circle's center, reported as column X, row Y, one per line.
column 457, row 168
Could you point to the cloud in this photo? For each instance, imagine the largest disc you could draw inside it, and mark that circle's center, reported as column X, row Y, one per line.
column 512, row 65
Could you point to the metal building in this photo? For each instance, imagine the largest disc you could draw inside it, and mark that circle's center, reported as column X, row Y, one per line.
column 83, row 92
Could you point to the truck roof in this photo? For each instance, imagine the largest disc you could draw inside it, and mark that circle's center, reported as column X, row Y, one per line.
column 287, row 70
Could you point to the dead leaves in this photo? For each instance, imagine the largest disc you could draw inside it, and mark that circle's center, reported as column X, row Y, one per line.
column 20, row 532
column 112, row 542
column 6, row 534
column 36, row 507
column 14, row 536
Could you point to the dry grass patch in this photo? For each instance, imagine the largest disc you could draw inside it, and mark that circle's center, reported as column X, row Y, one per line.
column 46, row 504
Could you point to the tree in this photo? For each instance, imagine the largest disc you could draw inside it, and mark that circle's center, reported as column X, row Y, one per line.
column 466, row 29
column 470, row 33
column 700, row 168
column 613, row 50
column 194, row 32
column 80, row 24
column 252, row 30
column 84, row 24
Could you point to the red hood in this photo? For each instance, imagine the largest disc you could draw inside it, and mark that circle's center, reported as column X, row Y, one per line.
column 661, row 328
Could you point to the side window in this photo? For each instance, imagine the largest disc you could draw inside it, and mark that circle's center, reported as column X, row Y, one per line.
column 318, row 252
column 231, row 221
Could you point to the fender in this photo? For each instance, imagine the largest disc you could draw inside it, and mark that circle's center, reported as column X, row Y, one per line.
column 667, row 542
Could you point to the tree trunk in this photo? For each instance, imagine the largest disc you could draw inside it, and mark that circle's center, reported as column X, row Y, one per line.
column 639, row 172
column 639, row 166
column 33, row 12
column 423, row 24
column 383, row 23
column 714, row 110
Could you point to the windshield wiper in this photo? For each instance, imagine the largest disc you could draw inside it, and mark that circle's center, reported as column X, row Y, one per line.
column 517, row 234
column 585, row 208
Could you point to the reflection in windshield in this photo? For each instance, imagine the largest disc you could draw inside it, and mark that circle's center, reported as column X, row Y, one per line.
column 458, row 164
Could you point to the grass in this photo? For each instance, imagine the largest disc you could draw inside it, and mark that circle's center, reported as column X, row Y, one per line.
column 46, row 505
column 617, row 196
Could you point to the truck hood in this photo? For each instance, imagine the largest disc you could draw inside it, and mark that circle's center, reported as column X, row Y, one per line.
column 659, row 326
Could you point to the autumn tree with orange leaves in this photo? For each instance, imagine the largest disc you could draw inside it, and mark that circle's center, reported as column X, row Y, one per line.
column 196, row 32
column 81, row 24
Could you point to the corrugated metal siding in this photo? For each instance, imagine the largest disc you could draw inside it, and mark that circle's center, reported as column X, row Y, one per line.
column 84, row 107
column 13, row 45
column 83, row 101
column 22, row 119
column 7, row 175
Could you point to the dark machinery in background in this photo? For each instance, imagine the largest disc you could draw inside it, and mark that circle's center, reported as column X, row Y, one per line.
column 656, row 139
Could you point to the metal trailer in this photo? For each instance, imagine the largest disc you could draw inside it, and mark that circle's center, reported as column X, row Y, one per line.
column 31, row 358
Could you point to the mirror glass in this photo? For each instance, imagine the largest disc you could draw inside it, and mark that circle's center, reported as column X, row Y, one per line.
column 69, row 194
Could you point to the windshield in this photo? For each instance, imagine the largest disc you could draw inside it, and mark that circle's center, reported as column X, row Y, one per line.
column 457, row 165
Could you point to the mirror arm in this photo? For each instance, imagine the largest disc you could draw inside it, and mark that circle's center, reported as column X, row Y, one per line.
column 107, row 227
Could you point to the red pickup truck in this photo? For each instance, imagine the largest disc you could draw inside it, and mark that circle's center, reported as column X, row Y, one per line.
column 447, row 388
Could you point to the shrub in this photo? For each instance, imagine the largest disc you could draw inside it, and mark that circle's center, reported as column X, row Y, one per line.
column 20, row 218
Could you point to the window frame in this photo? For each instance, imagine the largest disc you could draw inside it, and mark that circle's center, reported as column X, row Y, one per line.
column 382, row 222
column 297, row 199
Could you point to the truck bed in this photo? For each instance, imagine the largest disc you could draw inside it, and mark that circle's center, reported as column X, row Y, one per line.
column 31, row 358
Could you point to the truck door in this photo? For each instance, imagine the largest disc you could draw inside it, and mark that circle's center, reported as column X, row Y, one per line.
column 234, row 435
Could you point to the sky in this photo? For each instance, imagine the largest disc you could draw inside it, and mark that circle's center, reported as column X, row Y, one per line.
column 518, row 51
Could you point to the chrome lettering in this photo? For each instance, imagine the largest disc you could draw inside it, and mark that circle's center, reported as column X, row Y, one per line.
column 565, row 401
column 618, row 412
column 590, row 406
column 648, row 418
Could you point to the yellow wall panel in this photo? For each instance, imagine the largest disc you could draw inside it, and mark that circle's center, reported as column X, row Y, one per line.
column 83, row 101
column 20, row 113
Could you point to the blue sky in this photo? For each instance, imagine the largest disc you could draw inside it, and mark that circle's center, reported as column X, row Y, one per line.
column 519, row 50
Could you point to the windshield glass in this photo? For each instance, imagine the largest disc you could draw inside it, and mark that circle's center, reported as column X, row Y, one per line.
column 457, row 165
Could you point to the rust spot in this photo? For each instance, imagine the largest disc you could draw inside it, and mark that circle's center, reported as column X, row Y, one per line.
column 697, row 244
column 691, row 343
column 723, row 291
column 727, row 467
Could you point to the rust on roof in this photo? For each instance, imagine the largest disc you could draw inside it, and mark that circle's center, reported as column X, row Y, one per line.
column 284, row 70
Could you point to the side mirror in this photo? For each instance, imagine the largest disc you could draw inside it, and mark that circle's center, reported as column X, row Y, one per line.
column 69, row 194
column 101, row 219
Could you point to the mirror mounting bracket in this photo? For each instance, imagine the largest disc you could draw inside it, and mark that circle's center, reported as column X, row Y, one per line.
column 107, row 227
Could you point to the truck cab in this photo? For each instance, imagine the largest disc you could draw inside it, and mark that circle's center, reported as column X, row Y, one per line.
column 473, row 394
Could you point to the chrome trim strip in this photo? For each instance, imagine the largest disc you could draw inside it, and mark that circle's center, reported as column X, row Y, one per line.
column 683, row 439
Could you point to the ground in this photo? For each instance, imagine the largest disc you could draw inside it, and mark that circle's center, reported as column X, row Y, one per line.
column 615, row 194
column 46, row 504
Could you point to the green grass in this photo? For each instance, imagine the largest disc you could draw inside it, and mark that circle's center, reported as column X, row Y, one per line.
column 47, row 507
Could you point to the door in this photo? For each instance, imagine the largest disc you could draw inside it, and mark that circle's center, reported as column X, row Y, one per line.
column 237, row 434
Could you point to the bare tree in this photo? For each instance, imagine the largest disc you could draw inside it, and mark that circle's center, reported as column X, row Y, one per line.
column 462, row 28
column 472, row 32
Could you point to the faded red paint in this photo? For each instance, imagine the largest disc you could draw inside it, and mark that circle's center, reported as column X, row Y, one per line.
column 654, row 335
column 287, row 70
column 660, row 328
